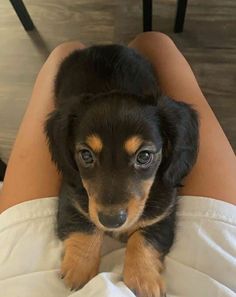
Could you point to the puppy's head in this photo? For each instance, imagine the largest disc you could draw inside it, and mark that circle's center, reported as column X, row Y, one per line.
column 114, row 144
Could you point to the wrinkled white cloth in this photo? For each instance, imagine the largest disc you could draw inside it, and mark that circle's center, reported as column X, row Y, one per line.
column 202, row 262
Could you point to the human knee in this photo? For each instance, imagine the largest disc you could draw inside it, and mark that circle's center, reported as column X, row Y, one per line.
column 157, row 37
column 64, row 49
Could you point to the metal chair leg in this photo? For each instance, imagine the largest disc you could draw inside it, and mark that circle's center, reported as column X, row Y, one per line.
column 180, row 15
column 147, row 15
column 23, row 14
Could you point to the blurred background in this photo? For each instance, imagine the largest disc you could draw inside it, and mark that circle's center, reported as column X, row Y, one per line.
column 208, row 42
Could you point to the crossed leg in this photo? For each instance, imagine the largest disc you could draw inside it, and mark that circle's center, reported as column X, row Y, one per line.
column 214, row 173
column 31, row 173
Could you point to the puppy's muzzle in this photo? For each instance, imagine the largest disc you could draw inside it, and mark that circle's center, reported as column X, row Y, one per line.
column 113, row 220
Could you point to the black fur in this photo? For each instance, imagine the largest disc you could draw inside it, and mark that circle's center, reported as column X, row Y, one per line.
column 3, row 168
column 112, row 91
column 69, row 219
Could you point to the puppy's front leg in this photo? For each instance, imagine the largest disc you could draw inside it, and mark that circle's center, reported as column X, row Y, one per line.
column 82, row 240
column 81, row 258
column 143, row 266
column 145, row 254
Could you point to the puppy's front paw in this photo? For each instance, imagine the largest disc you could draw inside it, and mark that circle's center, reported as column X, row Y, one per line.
column 143, row 283
column 81, row 259
column 142, row 268
column 77, row 271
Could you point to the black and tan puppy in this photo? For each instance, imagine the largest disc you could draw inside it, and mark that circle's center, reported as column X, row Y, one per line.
column 123, row 149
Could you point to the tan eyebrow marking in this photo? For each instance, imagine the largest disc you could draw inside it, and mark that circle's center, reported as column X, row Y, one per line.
column 132, row 144
column 95, row 142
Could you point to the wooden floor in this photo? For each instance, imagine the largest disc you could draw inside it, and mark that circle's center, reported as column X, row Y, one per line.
column 208, row 43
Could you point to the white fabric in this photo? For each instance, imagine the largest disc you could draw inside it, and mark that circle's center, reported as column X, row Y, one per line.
column 202, row 262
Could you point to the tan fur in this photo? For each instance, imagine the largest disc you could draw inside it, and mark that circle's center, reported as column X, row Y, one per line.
column 146, row 186
column 95, row 142
column 85, row 184
column 81, row 258
column 79, row 208
column 147, row 222
column 132, row 144
column 90, row 188
column 93, row 211
column 135, row 207
column 142, row 270
column 137, row 204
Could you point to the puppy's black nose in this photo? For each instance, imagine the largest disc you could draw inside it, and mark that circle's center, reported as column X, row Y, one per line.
column 113, row 220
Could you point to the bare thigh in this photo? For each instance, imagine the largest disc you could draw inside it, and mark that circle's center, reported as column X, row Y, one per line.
column 214, row 173
column 30, row 173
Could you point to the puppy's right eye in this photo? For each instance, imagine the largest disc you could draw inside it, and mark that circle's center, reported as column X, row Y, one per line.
column 86, row 157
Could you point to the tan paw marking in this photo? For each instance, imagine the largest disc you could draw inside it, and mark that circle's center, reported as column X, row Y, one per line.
column 142, row 268
column 81, row 258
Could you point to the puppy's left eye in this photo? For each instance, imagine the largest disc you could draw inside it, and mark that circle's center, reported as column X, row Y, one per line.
column 86, row 157
column 144, row 159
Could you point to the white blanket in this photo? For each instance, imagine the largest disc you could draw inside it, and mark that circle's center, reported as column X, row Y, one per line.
column 202, row 262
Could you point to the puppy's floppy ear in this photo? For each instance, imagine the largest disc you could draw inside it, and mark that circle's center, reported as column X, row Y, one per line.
column 59, row 132
column 179, row 128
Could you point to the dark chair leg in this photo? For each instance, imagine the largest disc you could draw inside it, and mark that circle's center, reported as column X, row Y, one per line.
column 147, row 15
column 180, row 15
column 23, row 14
column 3, row 168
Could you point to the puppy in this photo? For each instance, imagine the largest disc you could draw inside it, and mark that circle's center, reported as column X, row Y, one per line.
column 123, row 149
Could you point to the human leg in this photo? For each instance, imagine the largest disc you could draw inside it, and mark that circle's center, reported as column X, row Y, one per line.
column 214, row 173
column 30, row 172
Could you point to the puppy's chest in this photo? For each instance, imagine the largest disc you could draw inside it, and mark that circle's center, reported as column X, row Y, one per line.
column 122, row 237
